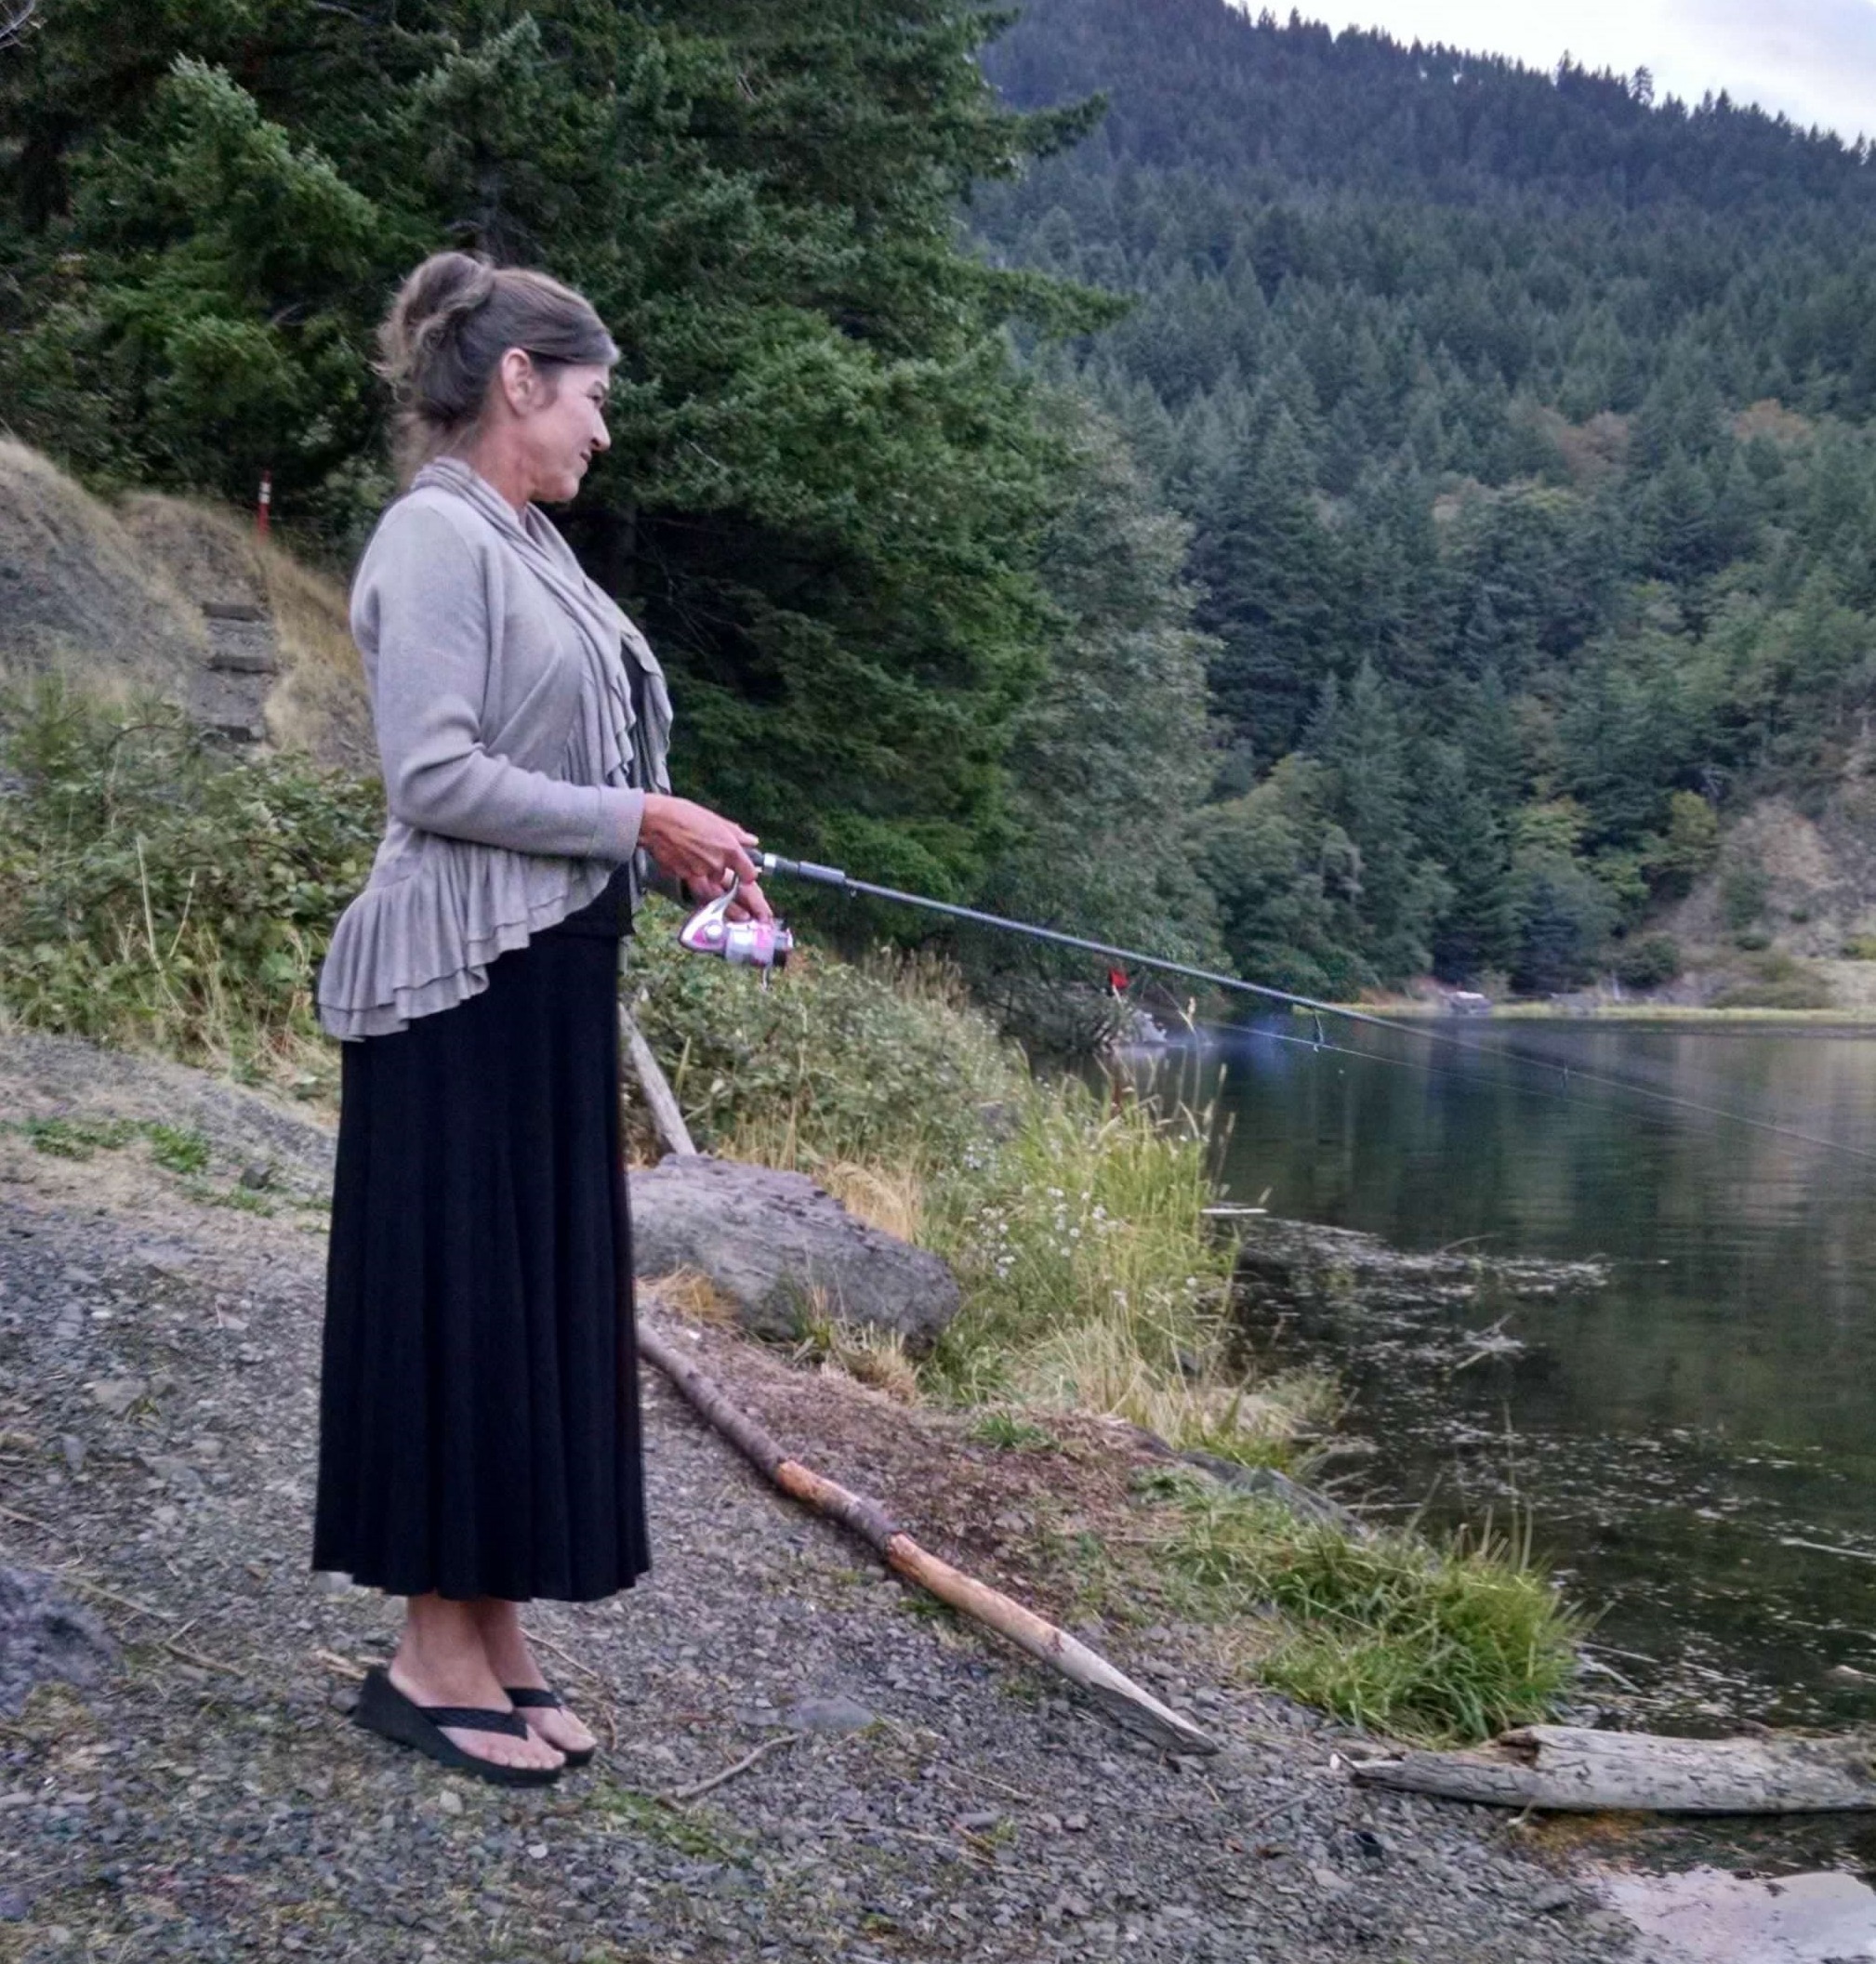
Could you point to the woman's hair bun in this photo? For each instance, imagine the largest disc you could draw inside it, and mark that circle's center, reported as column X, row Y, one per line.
column 430, row 306
column 452, row 319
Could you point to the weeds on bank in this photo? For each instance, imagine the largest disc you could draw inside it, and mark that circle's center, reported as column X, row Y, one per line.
column 156, row 894
column 185, row 1153
column 1431, row 1642
column 1072, row 1218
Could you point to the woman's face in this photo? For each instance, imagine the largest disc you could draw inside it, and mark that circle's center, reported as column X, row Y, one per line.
column 561, row 426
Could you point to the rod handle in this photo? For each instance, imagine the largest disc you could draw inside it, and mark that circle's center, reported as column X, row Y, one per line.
column 802, row 869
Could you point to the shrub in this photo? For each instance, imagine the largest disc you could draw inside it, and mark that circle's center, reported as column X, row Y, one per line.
column 1744, row 889
column 1648, row 963
column 1860, row 948
column 878, row 1061
column 1796, row 992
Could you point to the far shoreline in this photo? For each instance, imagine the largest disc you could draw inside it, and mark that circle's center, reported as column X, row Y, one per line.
column 1849, row 1021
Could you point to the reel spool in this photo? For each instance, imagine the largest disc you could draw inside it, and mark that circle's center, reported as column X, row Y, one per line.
column 763, row 945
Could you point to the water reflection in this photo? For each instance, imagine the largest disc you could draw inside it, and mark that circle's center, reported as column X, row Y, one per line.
column 1679, row 1436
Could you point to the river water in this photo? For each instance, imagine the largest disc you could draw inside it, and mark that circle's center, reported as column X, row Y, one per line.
column 1693, row 1446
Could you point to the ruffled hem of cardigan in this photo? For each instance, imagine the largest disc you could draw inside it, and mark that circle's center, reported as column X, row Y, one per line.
column 461, row 907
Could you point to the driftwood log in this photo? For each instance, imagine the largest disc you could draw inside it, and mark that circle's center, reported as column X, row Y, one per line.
column 1572, row 1769
column 1116, row 1692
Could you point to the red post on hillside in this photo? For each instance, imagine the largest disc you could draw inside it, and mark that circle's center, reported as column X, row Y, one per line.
column 264, row 504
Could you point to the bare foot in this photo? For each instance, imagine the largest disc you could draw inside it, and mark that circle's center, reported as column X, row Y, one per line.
column 505, row 1644
column 441, row 1661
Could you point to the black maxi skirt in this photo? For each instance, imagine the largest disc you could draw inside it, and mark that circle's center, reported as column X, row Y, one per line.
column 479, row 1407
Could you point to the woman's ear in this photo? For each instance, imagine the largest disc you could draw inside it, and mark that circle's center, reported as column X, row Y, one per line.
column 520, row 380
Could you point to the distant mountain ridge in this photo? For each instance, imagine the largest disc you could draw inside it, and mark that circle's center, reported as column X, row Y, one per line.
column 1204, row 85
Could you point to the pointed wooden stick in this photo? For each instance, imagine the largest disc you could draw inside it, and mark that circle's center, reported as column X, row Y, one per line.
column 1116, row 1694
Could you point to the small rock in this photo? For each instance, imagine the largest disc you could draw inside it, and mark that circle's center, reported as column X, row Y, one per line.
column 835, row 1714
column 537, row 1850
column 116, row 1394
column 1327, row 1880
column 1553, row 1900
column 1846, row 1674
column 449, row 1802
column 255, row 1177
column 14, row 1907
column 72, row 1448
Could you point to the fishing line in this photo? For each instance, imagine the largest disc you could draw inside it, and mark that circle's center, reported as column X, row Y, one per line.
column 833, row 876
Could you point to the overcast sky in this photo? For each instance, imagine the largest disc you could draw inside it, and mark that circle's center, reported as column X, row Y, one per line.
column 1816, row 59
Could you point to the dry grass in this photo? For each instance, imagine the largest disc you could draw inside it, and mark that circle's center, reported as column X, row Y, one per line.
column 889, row 1197
column 88, row 603
column 872, row 1357
column 692, row 1296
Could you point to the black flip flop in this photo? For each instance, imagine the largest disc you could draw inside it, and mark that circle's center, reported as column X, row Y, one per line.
column 536, row 1697
column 384, row 1709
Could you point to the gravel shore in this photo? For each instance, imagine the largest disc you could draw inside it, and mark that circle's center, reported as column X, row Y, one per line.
column 914, row 1790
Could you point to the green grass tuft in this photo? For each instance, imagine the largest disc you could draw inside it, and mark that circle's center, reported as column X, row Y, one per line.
column 1426, row 1641
column 1009, row 1434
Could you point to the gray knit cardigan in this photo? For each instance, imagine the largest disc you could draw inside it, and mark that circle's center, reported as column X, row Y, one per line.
column 506, row 728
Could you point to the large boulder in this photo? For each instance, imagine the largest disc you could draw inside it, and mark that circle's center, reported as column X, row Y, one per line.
column 781, row 1248
column 44, row 1636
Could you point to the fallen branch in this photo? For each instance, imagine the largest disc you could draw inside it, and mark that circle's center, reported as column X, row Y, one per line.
column 202, row 1663
column 1572, row 1769
column 701, row 1787
column 1118, row 1695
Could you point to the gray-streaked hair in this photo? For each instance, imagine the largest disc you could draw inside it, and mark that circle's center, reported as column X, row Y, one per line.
column 452, row 322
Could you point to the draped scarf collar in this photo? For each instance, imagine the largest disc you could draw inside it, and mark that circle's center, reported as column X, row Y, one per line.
column 607, row 637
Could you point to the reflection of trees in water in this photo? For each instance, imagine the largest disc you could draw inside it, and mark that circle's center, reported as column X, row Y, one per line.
column 1672, row 1430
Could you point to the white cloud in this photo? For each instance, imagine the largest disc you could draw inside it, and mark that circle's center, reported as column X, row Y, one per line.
column 1813, row 60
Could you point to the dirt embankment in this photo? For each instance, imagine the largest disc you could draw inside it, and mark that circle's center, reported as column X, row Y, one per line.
column 923, row 1793
column 178, row 597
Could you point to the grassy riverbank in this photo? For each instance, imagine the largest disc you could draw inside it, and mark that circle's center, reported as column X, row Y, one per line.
column 155, row 898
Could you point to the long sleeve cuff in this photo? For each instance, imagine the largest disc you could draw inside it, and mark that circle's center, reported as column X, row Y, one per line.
column 616, row 831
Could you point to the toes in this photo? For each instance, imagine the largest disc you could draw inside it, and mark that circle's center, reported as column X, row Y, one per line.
column 501, row 1750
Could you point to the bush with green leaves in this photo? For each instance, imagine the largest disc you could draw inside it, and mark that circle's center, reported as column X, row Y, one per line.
column 157, row 892
column 1650, row 962
column 879, row 1060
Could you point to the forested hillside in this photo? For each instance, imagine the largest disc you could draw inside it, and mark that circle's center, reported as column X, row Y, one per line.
column 1523, row 425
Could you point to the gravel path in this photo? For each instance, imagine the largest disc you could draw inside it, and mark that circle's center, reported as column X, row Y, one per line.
column 920, row 1793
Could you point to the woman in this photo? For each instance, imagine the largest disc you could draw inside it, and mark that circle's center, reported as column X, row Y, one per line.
column 479, row 1429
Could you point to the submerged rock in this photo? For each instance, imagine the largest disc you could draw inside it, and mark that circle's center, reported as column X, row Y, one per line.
column 782, row 1248
column 1291, row 1264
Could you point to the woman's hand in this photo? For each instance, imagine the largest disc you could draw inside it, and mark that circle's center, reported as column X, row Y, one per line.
column 695, row 844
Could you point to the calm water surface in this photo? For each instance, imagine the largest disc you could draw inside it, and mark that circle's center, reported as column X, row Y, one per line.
column 1673, row 1437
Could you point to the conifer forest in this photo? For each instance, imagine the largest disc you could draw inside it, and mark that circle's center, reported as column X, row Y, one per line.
column 1342, row 509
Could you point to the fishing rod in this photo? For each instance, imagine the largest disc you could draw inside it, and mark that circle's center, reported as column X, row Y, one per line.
column 767, row 945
